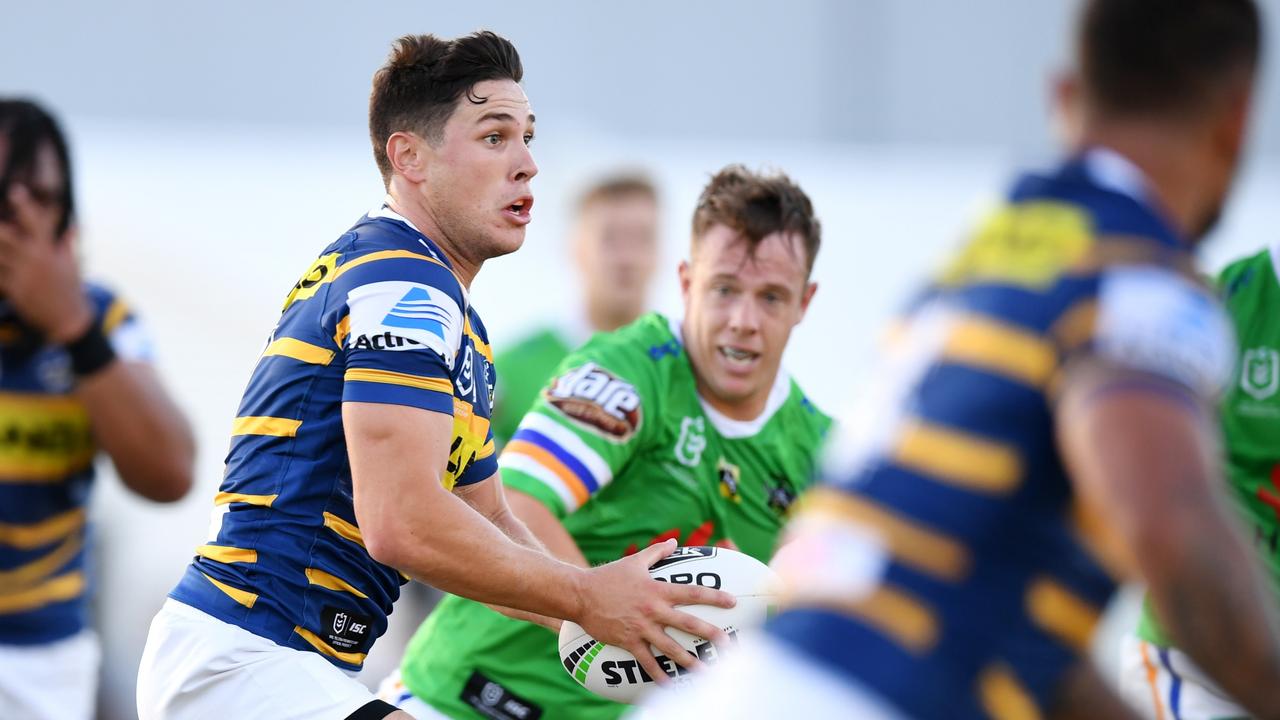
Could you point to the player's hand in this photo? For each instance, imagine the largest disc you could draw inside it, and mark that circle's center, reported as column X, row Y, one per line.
column 624, row 606
column 39, row 275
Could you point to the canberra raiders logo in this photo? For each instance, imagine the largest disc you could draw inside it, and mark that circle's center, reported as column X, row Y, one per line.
column 1260, row 372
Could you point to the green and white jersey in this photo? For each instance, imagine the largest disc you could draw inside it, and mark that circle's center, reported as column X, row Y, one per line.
column 1250, row 410
column 524, row 369
column 621, row 448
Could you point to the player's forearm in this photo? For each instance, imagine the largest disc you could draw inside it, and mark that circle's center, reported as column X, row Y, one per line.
column 546, row 527
column 1208, row 594
column 139, row 427
column 1084, row 695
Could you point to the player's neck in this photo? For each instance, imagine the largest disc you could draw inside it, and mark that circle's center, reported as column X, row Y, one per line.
column 603, row 318
column 1169, row 162
column 421, row 217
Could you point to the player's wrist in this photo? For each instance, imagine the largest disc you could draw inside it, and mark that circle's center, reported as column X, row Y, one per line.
column 90, row 352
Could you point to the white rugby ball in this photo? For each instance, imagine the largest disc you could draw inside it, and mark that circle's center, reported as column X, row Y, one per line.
column 614, row 673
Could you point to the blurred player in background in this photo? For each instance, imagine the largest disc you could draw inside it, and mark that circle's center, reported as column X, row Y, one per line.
column 1157, row 677
column 659, row 430
column 615, row 251
column 362, row 456
column 75, row 378
column 1046, row 425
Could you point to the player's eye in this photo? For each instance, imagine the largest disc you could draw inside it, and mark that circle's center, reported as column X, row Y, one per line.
column 721, row 290
column 528, row 138
column 493, row 138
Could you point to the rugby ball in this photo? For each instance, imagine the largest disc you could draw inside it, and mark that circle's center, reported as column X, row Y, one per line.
column 614, row 673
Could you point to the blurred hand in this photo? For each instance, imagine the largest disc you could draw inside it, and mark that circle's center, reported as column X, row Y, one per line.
column 624, row 606
column 39, row 275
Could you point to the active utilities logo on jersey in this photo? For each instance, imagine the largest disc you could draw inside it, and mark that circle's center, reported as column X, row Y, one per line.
column 597, row 400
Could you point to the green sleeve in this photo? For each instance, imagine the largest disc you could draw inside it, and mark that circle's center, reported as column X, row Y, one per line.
column 522, row 371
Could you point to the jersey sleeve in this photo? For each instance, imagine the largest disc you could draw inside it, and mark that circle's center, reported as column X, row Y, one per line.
column 585, row 426
column 122, row 326
column 403, row 323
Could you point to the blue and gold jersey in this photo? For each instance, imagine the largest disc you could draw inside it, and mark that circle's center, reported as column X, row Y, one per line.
column 945, row 563
column 46, row 470
column 379, row 317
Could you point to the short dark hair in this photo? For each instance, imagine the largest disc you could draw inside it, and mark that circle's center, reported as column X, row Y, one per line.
column 757, row 205
column 616, row 187
column 418, row 89
column 26, row 127
column 1165, row 56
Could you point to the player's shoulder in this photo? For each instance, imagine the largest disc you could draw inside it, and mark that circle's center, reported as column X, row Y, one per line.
column 383, row 246
column 108, row 305
column 803, row 418
column 1252, row 272
column 641, row 346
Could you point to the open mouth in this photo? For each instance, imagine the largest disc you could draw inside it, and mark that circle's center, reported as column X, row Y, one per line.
column 519, row 210
column 738, row 357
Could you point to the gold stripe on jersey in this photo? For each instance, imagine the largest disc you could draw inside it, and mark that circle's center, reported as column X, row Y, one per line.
column 223, row 498
column 958, row 458
column 1003, row 697
column 115, row 315
column 342, row 330
column 324, row 648
column 325, row 270
column 265, row 425
column 333, row 582
column 43, row 438
column 481, row 346
column 299, row 350
column 1061, row 613
column 390, row 377
column 24, row 575
column 903, row 618
column 487, row 451
column 1027, row 244
column 911, row 543
column 988, row 344
column 244, row 597
column 343, row 528
column 226, row 554
column 58, row 589
column 52, row 529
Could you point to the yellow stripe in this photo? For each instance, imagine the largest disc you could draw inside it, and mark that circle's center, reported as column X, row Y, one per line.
column 910, row 542
column 114, row 316
column 243, row 597
column 1061, row 613
column 958, row 458
column 63, row 587
column 223, row 498
column 487, row 451
column 42, row 471
column 441, row 385
column 24, row 575
column 323, row 647
column 481, row 345
column 263, row 425
column 386, row 255
column 26, row 537
column 299, row 350
column 1001, row 348
column 333, row 582
column 901, row 617
column 343, row 528
column 342, row 330
column 1003, row 697
column 225, row 554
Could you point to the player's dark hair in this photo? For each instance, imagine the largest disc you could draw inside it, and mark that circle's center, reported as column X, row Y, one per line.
column 617, row 187
column 25, row 127
column 418, row 89
column 756, row 206
column 1165, row 56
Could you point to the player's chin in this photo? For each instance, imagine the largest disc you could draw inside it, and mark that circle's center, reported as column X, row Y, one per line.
column 505, row 240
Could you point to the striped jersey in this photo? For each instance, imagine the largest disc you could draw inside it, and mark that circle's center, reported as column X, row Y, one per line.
column 945, row 563
column 379, row 317
column 46, row 470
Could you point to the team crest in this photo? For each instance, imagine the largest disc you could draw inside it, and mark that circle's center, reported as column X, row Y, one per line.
column 1260, row 372
column 730, row 481
column 597, row 400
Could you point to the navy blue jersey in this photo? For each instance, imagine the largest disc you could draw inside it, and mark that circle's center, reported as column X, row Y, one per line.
column 963, row 577
column 379, row 317
column 46, row 470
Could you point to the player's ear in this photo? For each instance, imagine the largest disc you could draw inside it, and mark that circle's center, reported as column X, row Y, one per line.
column 805, row 298
column 1067, row 110
column 406, row 152
column 686, row 279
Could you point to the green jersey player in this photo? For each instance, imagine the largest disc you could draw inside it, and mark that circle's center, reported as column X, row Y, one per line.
column 615, row 251
column 658, row 430
column 1157, row 676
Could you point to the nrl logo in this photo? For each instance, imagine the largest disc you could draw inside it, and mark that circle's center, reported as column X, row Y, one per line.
column 1260, row 372
column 596, row 398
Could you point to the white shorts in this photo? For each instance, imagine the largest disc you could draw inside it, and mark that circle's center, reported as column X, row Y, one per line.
column 196, row 667
column 392, row 690
column 1165, row 685
column 54, row 681
column 765, row 680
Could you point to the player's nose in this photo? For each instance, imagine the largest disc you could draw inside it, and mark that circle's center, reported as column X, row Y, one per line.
column 525, row 168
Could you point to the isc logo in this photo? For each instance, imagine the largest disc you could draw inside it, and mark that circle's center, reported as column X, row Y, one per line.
column 596, row 398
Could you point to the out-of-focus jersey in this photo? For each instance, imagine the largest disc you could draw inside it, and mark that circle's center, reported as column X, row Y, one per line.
column 946, row 563
column 525, row 368
column 623, row 451
column 379, row 317
column 46, row 470
column 1250, row 412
